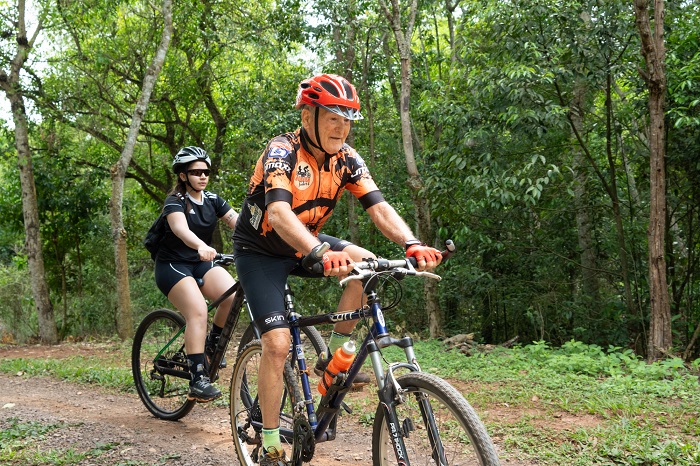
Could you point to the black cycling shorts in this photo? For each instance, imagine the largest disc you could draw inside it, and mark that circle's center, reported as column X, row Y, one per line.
column 169, row 273
column 263, row 278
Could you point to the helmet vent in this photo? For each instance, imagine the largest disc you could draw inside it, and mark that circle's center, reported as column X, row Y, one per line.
column 330, row 88
column 348, row 90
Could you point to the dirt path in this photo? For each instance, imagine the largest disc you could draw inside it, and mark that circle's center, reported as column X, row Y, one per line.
column 122, row 432
column 91, row 417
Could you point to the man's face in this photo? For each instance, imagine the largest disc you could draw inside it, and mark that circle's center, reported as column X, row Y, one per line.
column 333, row 129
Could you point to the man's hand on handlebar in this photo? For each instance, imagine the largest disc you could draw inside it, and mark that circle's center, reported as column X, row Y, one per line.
column 427, row 258
column 331, row 263
column 337, row 263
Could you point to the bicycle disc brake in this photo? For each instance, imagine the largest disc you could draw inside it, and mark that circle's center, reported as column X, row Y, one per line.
column 304, row 441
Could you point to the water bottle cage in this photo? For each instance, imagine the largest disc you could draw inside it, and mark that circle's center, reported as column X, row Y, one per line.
column 337, row 379
column 336, row 387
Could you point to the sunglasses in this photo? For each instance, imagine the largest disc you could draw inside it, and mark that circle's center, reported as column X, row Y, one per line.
column 199, row 172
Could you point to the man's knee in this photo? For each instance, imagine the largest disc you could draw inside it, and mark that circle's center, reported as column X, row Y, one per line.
column 357, row 253
column 276, row 343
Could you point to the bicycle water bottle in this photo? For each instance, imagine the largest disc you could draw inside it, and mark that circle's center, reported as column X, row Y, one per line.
column 340, row 362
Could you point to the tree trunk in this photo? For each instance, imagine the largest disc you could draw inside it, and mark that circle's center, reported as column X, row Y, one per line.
column 654, row 52
column 10, row 83
column 118, row 173
column 589, row 279
column 345, row 56
column 415, row 182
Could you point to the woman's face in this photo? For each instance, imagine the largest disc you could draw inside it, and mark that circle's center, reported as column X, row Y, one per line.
column 197, row 174
column 333, row 129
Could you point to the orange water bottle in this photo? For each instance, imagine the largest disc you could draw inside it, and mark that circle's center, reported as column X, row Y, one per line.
column 343, row 357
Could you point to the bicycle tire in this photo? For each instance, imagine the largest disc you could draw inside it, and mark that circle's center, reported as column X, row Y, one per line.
column 162, row 383
column 245, row 415
column 458, row 428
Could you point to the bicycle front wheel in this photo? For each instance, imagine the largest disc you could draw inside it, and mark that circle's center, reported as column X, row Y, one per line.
column 437, row 424
column 246, row 418
column 159, row 365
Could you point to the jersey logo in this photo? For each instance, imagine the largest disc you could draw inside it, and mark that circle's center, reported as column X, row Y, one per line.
column 277, row 153
column 255, row 215
column 279, row 164
column 304, row 176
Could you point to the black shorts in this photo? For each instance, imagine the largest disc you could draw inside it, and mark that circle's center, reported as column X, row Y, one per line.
column 169, row 273
column 263, row 279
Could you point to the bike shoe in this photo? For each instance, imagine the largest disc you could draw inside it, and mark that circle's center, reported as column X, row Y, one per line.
column 202, row 391
column 273, row 457
column 361, row 379
column 210, row 347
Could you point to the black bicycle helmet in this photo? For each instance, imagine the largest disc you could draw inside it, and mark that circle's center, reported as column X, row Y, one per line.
column 189, row 154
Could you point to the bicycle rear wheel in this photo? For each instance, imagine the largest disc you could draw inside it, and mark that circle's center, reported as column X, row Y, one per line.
column 246, row 418
column 159, row 365
column 437, row 424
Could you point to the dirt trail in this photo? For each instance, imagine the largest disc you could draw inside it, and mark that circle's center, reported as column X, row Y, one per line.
column 125, row 432
column 122, row 432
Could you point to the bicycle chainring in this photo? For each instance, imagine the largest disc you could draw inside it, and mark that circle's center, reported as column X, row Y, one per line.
column 304, row 441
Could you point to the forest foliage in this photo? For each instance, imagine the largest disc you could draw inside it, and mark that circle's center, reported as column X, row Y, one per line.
column 529, row 123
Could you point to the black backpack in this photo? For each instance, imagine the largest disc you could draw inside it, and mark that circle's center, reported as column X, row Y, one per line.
column 156, row 233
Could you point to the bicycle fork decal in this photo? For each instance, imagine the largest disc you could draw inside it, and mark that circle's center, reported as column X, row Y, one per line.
column 397, row 444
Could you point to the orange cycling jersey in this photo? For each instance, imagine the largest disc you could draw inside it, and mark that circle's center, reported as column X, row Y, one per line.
column 287, row 172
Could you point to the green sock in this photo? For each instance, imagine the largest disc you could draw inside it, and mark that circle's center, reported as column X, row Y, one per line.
column 271, row 438
column 336, row 341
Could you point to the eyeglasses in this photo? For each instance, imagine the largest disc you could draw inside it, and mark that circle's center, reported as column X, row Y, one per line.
column 199, row 172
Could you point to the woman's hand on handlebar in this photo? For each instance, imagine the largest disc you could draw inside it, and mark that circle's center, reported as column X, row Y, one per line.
column 206, row 253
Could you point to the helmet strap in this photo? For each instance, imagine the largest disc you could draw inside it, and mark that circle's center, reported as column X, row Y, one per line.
column 187, row 182
column 307, row 140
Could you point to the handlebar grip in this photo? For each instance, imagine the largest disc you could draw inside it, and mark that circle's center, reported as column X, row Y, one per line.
column 313, row 261
column 450, row 248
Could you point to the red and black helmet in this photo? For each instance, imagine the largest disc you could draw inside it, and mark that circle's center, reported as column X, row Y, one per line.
column 332, row 92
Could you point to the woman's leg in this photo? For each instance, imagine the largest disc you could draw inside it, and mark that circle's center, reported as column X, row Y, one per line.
column 188, row 299
column 216, row 282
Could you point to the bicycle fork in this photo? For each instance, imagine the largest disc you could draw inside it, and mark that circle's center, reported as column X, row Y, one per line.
column 391, row 395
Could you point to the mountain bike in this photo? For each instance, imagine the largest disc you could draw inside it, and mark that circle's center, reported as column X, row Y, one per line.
column 159, row 360
column 420, row 419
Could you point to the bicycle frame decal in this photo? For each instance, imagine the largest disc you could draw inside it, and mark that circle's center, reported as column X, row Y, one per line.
column 342, row 316
column 380, row 317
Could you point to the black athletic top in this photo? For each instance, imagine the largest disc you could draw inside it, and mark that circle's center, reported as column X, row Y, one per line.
column 201, row 219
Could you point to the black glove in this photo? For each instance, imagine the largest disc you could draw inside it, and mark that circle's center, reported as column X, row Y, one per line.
column 313, row 261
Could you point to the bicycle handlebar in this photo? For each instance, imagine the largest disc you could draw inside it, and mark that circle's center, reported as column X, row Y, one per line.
column 224, row 259
column 405, row 266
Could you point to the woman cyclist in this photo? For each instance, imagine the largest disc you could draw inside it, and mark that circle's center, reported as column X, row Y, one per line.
column 185, row 259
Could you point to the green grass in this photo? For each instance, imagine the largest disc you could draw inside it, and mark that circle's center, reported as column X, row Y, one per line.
column 17, row 439
column 574, row 405
column 79, row 369
column 629, row 412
